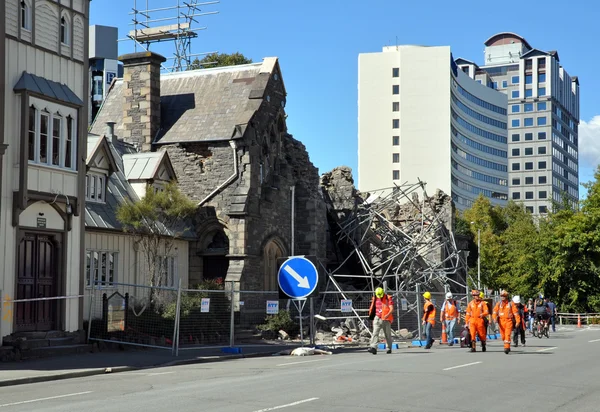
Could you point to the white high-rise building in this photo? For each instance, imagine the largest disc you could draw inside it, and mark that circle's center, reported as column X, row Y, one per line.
column 543, row 120
column 420, row 117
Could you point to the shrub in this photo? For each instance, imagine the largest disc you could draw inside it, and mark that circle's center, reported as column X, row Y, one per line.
column 280, row 321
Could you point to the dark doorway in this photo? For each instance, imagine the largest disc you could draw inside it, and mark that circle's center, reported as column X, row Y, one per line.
column 37, row 277
column 215, row 267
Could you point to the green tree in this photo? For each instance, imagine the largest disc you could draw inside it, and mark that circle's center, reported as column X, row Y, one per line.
column 218, row 60
column 156, row 221
column 557, row 255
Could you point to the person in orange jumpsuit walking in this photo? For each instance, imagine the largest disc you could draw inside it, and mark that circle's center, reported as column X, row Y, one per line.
column 506, row 314
column 476, row 312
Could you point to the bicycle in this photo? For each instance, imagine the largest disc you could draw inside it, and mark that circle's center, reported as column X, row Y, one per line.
column 541, row 329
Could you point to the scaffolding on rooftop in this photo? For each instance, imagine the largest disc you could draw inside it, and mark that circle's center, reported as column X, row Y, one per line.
column 169, row 24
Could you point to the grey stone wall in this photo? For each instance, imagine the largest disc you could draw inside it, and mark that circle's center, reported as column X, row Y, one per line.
column 256, row 207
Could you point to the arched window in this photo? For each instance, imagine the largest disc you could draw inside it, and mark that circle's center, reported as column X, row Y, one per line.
column 25, row 15
column 271, row 253
column 64, row 30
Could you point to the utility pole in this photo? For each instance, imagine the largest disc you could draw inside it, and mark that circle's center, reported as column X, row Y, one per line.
column 479, row 259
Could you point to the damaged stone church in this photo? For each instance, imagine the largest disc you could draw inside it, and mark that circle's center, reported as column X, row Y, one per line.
column 225, row 132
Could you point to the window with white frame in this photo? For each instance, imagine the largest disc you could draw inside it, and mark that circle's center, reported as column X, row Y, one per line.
column 25, row 15
column 64, row 30
column 52, row 134
column 95, row 187
column 167, row 270
column 101, row 268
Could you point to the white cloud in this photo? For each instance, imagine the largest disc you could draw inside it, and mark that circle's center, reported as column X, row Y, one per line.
column 589, row 143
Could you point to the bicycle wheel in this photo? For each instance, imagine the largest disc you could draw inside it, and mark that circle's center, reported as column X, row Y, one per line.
column 540, row 333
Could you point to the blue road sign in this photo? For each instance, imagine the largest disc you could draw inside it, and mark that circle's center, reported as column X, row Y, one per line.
column 297, row 277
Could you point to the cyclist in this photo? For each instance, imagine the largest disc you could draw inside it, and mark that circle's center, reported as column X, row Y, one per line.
column 542, row 313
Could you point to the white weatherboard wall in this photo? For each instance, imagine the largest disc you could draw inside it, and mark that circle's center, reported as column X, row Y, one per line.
column 424, row 117
column 131, row 267
column 54, row 64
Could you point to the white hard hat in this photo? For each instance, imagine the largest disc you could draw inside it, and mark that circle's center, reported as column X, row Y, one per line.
column 449, row 295
column 517, row 299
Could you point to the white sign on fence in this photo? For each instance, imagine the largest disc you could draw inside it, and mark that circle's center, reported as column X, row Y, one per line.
column 404, row 304
column 346, row 305
column 272, row 307
column 205, row 308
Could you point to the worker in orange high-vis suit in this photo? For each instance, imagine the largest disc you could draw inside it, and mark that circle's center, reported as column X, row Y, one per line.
column 428, row 318
column 476, row 312
column 381, row 313
column 506, row 315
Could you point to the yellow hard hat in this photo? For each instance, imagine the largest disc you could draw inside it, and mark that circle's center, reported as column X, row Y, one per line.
column 427, row 295
column 379, row 292
column 481, row 295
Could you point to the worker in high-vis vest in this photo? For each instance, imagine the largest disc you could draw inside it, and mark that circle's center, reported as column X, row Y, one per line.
column 381, row 313
column 428, row 319
column 477, row 311
column 450, row 316
column 505, row 315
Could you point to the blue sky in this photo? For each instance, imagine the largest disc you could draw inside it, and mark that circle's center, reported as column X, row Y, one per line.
column 318, row 43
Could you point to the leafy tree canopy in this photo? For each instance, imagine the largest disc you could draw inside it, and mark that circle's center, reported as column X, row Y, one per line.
column 218, row 60
column 557, row 255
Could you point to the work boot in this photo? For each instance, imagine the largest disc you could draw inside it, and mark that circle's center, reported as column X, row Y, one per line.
column 372, row 350
column 483, row 349
column 389, row 351
column 506, row 350
column 473, row 347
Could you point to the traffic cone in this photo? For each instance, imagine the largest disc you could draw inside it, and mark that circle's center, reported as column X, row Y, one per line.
column 578, row 320
column 444, row 336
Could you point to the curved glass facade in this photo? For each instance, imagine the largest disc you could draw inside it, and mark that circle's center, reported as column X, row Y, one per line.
column 479, row 143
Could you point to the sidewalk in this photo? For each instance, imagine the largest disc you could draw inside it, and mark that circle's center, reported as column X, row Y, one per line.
column 88, row 364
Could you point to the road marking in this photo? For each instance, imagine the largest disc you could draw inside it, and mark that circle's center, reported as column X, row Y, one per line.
column 595, row 340
column 45, row 399
column 296, row 363
column 462, row 366
column 157, row 373
column 546, row 349
column 289, row 404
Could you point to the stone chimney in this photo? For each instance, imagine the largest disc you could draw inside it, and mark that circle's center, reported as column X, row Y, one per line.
column 141, row 98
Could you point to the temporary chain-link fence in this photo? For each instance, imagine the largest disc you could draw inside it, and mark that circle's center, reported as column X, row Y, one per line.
column 133, row 314
column 181, row 319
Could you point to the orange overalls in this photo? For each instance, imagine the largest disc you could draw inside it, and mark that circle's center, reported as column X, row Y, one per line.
column 505, row 313
column 476, row 311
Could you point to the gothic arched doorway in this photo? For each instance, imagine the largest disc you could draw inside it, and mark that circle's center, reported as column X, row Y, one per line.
column 215, row 262
column 272, row 252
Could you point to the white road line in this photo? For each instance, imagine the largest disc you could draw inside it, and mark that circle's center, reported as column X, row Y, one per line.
column 45, row 399
column 595, row 340
column 157, row 373
column 546, row 349
column 462, row 366
column 296, row 363
column 285, row 406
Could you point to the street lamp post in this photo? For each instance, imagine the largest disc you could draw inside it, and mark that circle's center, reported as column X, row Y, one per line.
column 479, row 259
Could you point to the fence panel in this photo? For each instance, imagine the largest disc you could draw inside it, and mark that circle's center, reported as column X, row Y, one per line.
column 133, row 315
column 204, row 318
column 255, row 320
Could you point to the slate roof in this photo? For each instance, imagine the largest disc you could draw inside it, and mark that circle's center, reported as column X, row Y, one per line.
column 198, row 105
column 47, row 88
column 142, row 166
column 118, row 191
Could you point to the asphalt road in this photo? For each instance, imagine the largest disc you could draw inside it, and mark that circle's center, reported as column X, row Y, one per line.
column 557, row 374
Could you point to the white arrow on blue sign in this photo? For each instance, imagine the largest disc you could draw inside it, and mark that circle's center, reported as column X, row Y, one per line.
column 297, row 277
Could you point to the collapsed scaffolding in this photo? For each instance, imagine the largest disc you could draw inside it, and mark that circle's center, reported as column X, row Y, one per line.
column 403, row 241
